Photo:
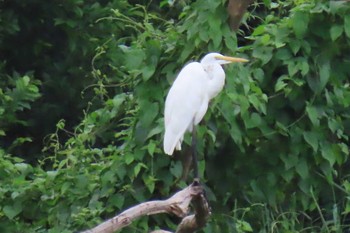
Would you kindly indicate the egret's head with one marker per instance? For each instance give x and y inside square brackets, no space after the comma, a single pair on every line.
[212,58]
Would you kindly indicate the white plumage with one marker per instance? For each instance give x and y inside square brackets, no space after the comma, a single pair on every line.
[189,96]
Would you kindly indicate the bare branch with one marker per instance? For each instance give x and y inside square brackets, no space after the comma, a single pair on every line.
[178,204]
[197,221]
[236,10]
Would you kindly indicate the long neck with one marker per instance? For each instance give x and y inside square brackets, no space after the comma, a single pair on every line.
[216,75]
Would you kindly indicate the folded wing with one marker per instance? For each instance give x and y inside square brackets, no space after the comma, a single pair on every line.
[185,105]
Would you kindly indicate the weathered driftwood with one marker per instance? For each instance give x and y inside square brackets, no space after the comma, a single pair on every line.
[178,205]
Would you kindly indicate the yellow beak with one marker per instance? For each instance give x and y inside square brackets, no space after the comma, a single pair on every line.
[231,59]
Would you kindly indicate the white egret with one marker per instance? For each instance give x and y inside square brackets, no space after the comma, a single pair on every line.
[189,96]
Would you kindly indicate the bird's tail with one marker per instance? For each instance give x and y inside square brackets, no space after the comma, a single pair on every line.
[171,141]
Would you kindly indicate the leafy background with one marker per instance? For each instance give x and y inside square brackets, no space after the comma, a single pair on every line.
[82,92]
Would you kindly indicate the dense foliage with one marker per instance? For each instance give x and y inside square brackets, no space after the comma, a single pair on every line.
[82,92]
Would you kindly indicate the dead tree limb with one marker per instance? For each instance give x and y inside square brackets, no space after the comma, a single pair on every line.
[178,205]
[236,10]
[198,220]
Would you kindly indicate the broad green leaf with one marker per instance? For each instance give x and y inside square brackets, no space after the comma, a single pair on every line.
[148,114]
[24,168]
[244,226]
[344,148]
[313,115]
[324,74]
[176,169]
[133,58]
[347,25]
[129,158]
[282,129]
[235,132]
[295,45]
[254,100]
[300,22]
[289,160]
[138,167]
[150,182]
[293,68]
[263,53]
[334,125]
[231,41]
[267,2]
[327,153]
[12,211]
[147,71]
[304,67]
[311,139]
[108,177]
[154,131]
[283,54]
[253,121]
[302,169]
[117,200]
[280,84]
[265,39]
[259,30]
[151,148]
[336,31]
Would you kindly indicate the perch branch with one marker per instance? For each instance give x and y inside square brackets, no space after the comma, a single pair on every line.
[197,221]
[178,204]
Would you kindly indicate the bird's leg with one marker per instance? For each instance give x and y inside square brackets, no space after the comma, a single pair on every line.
[194,153]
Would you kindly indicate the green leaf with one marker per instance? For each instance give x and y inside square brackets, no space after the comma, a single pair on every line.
[138,167]
[24,168]
[243,226]
[176,169]
[235,132]
[311,139]
[150,182]
[254,100]
[334,125]
[149,113]
[2,132]
[302,169]
[344,148]
[300,23]
[295,46]
[283,54]
[129,158]
[313,115]
[282,129]
[151,148]
[265,39]
[336,31]
[347,25]
[133,58]
[290,161]
[327,153]
[108,177]
[259,30]
[117,200]
[304,67]
[292,68]
[263,53]
[324,74]
[280,84]
[253,121]
[147,71]
[12,211]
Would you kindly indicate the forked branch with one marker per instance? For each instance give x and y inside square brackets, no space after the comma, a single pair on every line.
[178,205]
